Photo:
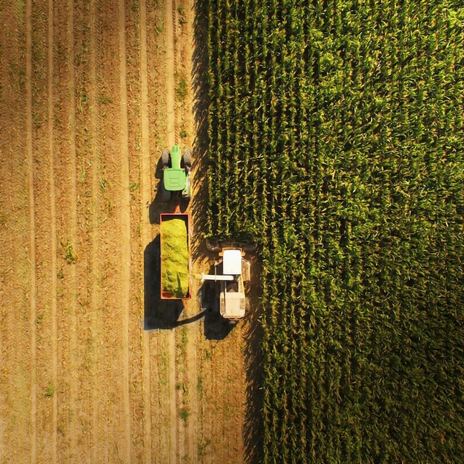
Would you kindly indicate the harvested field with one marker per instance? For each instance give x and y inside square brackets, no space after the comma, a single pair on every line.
[94,367]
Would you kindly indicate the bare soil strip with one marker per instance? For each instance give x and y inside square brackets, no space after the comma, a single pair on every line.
[84,204]
[64,168]
[14,260]
[170,73]
[185,130]
[135,347]
[95,236]
[146,229]
[161,389]
[113,322]
[74,432]
[53,251]
[32,294]
[3,264]
[42,232]
[171,140]
[125,224]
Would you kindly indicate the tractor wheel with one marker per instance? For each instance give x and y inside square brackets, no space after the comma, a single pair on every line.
[165,194]
[212,248]
[188,187]
[187,158]
[165,158]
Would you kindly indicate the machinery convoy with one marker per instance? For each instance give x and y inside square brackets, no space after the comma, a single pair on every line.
[231,270]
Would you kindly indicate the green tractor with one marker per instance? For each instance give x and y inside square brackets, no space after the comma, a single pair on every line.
[176,173]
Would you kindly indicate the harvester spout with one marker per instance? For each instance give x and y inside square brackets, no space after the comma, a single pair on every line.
[216,277]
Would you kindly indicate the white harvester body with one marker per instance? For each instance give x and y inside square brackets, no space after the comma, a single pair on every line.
[235,270]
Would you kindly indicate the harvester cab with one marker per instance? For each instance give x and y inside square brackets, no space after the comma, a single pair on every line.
[231,271]
[176,173]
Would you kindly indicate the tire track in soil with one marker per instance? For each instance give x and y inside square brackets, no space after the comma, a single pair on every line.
[184,67]
[84,201]
[15,156]
[181,333]
[159,346]
[145,199]
[4,267]
[53,241]
[125,224]
[14,271]
[133,77]
[95,236]
[73,377]
[42,231]
[64,164]
[32,251]
[112,407]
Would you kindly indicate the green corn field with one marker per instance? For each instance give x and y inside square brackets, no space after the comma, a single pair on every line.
[336,142]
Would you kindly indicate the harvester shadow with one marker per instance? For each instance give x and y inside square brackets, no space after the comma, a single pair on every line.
[158,313]
[215,326]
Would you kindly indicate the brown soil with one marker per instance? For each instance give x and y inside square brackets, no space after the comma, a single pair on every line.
[94,367]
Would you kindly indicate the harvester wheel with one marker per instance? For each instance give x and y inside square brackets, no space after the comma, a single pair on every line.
[165,158]
[165,194]
[187,158]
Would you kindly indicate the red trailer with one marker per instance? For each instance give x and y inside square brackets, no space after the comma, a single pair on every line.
[175,256]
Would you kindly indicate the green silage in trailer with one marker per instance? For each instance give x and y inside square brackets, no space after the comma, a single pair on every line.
[175,257]
[336,134]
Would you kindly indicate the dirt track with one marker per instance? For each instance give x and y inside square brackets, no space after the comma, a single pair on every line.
[94,367]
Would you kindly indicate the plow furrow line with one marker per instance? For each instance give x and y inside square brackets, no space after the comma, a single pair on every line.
[73,377]
[53,277]
[170,140]
[95,239]
[125,223]
[32,260]
[146,190]
[170,72]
